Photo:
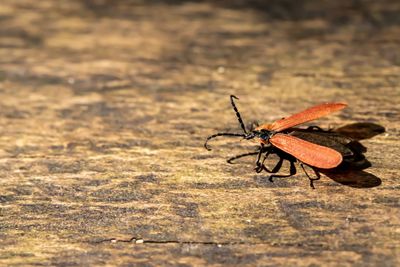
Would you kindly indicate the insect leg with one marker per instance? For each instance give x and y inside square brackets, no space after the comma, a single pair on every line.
[261,166]
[265,168]
[237,113]
[260,151]
[253,125]
[317,174]
[241,156]
[292,170]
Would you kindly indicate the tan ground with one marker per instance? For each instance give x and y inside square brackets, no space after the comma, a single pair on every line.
[105,105]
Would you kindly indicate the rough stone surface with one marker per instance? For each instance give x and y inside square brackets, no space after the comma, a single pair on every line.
[105,105]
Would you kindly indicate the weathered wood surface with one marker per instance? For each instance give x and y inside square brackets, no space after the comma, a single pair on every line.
[105,105]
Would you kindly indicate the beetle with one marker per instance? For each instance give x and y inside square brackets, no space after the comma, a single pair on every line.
[351,151]
[278,138]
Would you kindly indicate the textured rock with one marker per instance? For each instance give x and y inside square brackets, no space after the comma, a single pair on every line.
[105,105]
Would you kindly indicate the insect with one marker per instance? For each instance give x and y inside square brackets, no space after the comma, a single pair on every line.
[351,151]
[279,138]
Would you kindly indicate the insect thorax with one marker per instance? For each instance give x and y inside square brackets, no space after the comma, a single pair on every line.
[264,135]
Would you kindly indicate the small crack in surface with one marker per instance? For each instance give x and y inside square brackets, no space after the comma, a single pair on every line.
[144,241]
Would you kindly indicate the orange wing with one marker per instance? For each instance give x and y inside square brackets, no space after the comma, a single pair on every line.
[304,116]
[309,153]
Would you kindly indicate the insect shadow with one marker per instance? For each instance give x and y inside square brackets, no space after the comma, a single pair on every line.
[352,173]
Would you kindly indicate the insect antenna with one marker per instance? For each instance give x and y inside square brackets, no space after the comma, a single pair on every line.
[230,134]
[221,134]
[237,113]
